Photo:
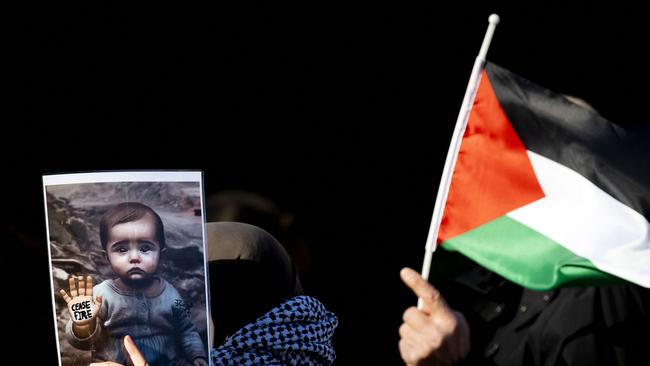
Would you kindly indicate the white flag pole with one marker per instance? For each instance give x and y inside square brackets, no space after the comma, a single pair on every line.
[454,146]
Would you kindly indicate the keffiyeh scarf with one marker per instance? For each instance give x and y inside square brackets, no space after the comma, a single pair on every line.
[297,332]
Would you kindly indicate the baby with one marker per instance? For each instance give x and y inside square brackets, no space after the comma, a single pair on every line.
[138,302]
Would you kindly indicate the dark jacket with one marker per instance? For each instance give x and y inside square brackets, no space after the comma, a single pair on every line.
[510,325]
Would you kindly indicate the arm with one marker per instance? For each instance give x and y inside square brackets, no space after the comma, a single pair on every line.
[188,335]
[435,334]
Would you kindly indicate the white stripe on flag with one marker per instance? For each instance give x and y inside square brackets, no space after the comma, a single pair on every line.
[589,222]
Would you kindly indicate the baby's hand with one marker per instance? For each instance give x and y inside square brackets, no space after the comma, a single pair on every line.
[83,309]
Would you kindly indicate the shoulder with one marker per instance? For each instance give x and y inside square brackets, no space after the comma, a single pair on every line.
[624,303]
[613,303]
[618,312]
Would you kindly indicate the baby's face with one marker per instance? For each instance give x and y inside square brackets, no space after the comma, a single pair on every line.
[133,249]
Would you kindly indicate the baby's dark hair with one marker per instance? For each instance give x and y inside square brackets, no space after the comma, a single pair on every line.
[128,212]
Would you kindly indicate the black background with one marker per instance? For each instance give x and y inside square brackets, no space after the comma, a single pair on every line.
[340,112]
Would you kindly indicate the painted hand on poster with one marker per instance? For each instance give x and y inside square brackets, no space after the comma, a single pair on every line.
[81,305]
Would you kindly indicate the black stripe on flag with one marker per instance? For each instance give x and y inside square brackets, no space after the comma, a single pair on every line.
[613,158]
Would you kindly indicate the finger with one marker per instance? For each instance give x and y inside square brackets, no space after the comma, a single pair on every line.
[409,334]
[73,286]
[402,331]
[405,351]
[431,297]
[89,286]
[446,321]
[82,286]
[434,325]
[98,301]
[430,341]
[65,296]
[408,352]
[417,318]
[134,352]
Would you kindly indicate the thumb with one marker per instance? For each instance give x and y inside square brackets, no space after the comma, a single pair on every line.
[133,353]
[433,301]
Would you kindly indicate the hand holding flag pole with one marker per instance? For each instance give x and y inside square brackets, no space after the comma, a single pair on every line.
[454,146]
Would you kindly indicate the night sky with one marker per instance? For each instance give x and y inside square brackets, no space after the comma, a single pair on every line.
[340,112]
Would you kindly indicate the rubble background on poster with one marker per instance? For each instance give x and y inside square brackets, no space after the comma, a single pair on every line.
[74,211]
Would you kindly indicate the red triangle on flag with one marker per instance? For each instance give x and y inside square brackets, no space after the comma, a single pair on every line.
[493,174]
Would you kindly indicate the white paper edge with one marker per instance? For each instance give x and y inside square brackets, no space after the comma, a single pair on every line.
[122,176]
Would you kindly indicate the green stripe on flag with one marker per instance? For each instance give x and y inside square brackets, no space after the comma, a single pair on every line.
[526,257]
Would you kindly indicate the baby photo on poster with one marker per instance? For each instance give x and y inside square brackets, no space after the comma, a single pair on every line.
[127,258]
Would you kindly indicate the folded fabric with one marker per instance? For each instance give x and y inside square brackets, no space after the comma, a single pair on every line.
[299,331]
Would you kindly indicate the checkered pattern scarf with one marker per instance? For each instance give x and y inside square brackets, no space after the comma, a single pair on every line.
[297,332]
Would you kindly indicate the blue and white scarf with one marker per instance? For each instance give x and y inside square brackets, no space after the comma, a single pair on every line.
[297,332]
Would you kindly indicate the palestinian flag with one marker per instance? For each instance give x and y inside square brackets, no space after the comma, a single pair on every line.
[546,192]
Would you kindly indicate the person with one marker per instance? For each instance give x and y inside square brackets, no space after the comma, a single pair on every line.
[259,311]
[256,209]
[500,323]
[138,302]
[488,320]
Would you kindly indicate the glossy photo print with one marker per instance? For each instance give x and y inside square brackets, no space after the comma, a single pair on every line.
[127,258]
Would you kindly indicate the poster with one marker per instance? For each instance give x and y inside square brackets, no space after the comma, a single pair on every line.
[127,257]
